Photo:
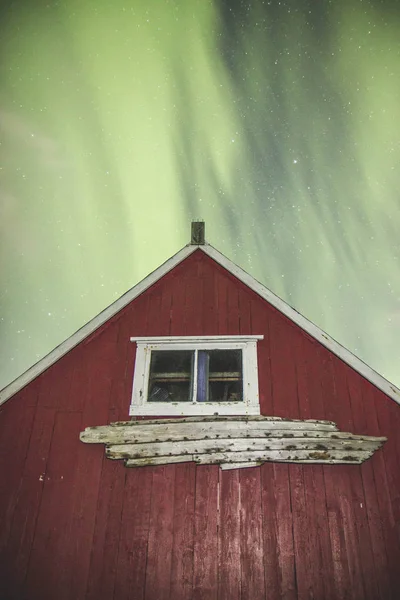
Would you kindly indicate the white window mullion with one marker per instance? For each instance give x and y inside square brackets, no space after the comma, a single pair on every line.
[195,376]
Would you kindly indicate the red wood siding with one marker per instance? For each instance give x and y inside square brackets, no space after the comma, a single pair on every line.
[77,526]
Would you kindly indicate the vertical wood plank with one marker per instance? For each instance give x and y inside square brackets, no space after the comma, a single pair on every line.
[205,574]
[183,532]
[284,532]
[302,359]
[365,546]
[323,573]
[222,294]
[252,564]
[379,467]
[244,303]
[233,309]
[16,422]
[283,373]
[49,558]
[15,562]
[350,509]
[340,563]
[229,579]
[318,569]
[260,325]
[334,482]
[158,567]
[302,542]
[134,535]
[271,549]
[177,305]
[210,300]
[107,531]
[88,468]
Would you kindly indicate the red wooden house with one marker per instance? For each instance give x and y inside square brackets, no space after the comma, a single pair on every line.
[217,501]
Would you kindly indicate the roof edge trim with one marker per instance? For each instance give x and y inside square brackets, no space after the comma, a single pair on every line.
[313,330]
[91,326]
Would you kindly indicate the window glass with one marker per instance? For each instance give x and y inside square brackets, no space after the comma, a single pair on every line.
[219,376]
[171,376]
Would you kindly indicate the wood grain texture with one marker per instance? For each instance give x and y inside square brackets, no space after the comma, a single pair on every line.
[206,521]
[76,525]
[251,538]
[183,532]
[229,551]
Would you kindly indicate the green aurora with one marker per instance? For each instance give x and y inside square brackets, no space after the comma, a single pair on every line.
[278,123]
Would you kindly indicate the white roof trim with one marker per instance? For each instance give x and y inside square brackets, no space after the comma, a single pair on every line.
[94,324]
[358,365]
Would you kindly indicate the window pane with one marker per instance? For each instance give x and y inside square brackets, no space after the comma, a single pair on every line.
[223,371]
[171,376]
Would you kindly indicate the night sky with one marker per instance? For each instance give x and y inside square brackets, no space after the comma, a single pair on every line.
[277,122]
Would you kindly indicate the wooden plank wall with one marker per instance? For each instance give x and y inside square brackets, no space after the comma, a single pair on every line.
[77,526]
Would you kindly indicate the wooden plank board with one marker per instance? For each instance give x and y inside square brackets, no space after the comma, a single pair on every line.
[333,487]
[348,509]
[14,418]
[271,548]
[123,363]
[302,542]
[229,561]
[55,384]
[233,316]
[158,565]
[203,428]
[210,299]
[205,567]
[384,502]
[222,284]
[22,530]
[284,533]
[358,496]
[283,373]
[165,310]
[313,497]
[87,480]
[183,528]
[132,550]
[51,534]
[371,492]
[321,445]
[260,325]
[177,322]
[245,315]
[311,404]
[302,359]
[107,532]
[320,552]
[251,538]
[259,456]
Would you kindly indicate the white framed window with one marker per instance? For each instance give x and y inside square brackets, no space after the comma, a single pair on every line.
[196,375]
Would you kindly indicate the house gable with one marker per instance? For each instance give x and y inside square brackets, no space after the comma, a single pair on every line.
[200,310]
[78,525]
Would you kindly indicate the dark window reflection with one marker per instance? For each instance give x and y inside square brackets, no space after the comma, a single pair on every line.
[171,376]
[219,376]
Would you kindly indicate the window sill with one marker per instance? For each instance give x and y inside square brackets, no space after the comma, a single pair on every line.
[183,409]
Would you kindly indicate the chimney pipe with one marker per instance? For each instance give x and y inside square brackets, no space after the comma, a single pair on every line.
[198,233]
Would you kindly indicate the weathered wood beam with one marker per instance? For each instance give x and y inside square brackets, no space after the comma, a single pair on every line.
[257,458]
[174,430]
[232,442]
[199,447]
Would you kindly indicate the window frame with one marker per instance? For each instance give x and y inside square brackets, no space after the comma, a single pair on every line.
[250,405]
